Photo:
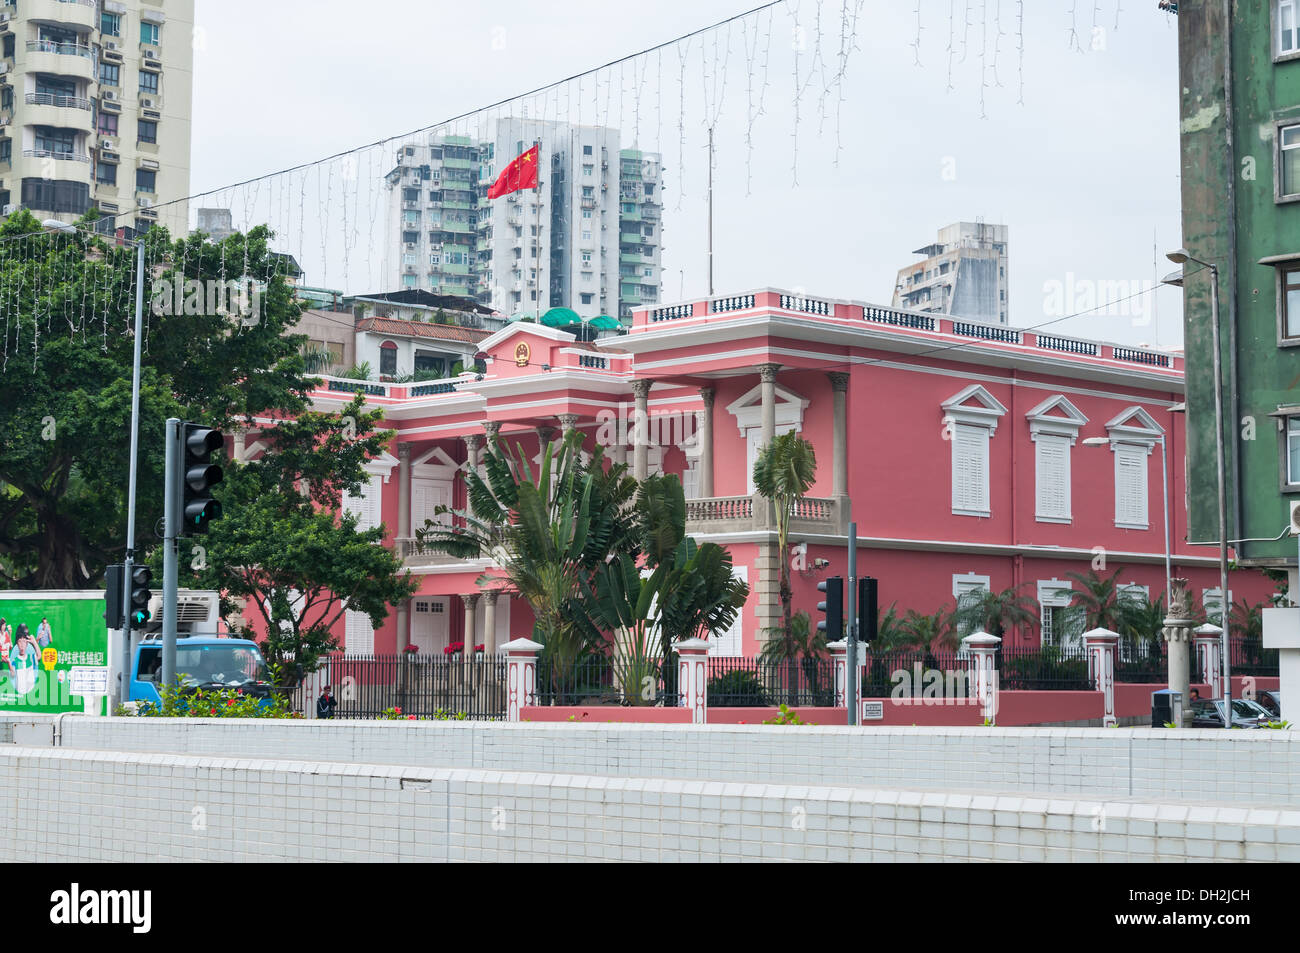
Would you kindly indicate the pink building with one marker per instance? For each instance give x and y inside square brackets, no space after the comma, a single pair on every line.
[960,444]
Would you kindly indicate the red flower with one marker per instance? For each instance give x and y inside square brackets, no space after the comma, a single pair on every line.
[410,718]
[397,710]
[230,702]
[213,712]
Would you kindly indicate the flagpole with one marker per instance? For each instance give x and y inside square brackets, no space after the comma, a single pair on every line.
[537,239]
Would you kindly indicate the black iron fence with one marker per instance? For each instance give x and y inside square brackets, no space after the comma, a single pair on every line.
[365,686]
[601,680]
[761,683]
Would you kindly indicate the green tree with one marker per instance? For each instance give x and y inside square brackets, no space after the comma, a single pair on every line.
[783,473]
[285,547]
[994,612]
[66,381]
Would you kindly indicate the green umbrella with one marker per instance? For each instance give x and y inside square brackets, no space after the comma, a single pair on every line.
[561,318]
[603,322]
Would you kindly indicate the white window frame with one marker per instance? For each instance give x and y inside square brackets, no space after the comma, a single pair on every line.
[1132,513]
[1133,435]
[1279,185]
[1053,594]
[966,584]
[1279,31]
[1211,597]
[1054,427]
[731,644]
[970,427]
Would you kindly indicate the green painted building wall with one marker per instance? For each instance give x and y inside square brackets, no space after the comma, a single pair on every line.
[1233,93]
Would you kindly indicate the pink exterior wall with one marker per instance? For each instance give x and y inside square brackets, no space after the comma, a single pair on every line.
[899,462]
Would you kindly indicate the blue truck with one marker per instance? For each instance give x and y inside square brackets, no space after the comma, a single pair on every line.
[203,662]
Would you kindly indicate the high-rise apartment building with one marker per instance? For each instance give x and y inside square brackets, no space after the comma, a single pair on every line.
[557,245]
[964,274]
[95,109]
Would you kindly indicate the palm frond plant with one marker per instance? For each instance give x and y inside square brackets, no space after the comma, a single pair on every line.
[316,359]
[783,473]
[995,612]
[1102,603]
[927,632]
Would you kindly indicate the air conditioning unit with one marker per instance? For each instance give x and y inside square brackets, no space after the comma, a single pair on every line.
[146,103]
[1295,504]
[410,245]
[143,203]
[151,55]
[149,164]
[10,209]
[109,46]
[105,143]
[197,612]
[109,95]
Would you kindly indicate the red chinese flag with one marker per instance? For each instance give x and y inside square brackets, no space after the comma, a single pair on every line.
[519,174]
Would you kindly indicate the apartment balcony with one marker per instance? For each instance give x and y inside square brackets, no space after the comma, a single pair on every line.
[61,59]
[745,514]
[57,156]
[63,13]
[65,112]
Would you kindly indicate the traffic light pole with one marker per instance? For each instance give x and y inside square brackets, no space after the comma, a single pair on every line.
[171,522]
[852,681]
[123,693]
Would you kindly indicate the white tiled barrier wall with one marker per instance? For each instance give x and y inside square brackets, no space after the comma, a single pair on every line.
[120,806]
[1259,767]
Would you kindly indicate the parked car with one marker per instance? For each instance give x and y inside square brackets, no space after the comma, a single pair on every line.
[1209,713]
[1272,701]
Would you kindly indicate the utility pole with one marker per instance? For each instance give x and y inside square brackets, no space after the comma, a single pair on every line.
[710,211]
[852,681]
[175,460]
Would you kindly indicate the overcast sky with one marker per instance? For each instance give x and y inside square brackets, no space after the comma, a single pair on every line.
[1084,172]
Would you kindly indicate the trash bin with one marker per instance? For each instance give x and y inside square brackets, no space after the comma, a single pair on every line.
[1166,707]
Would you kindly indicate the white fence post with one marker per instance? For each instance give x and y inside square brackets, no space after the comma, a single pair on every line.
[1209,656]
[521,674]
[982,648]
[840,657]
[693,679]
[1101,645]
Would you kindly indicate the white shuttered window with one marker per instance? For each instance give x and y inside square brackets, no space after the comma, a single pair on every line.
[1052,477]
[365,504]
[358,634]
[970,470]
[1131,486]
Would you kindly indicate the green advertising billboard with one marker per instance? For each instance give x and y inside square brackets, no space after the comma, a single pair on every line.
[43,637]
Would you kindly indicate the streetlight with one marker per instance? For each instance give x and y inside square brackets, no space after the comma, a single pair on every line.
[1164,481]
[1180,257]
[64,228]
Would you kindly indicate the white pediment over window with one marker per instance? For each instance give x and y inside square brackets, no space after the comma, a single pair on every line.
[1056,416]
[435,464]
[974,405]
[748,409]
[381,466]
[1134,425]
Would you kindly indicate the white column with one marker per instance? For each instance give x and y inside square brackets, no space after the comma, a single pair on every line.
[707,394]
[1209,657]
[473,445]
[767,377]
[471,605]
[692,678]
[403,624]
[1100,645]
[982,648]
[1177,632]
[489,623]
[840,441]
[840,661]
[403,494]
[521,675]
[641,429]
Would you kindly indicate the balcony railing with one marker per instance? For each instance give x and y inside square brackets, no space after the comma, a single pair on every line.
[988,332]
[737,303]
[63,49]
[900,319]
[806,305]
[50,99]
[672,313]
[1152,358]
[1068,345]
[51,154]
[814,509]
[720,508]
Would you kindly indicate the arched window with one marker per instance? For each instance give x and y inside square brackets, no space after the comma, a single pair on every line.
[388,359]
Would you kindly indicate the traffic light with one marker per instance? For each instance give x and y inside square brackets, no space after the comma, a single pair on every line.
[113,617]
[197,477]
[833,624]
[141,576]
[868,616]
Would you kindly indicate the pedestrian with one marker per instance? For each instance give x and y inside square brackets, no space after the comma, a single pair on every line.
[1196,695]
[325,704]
